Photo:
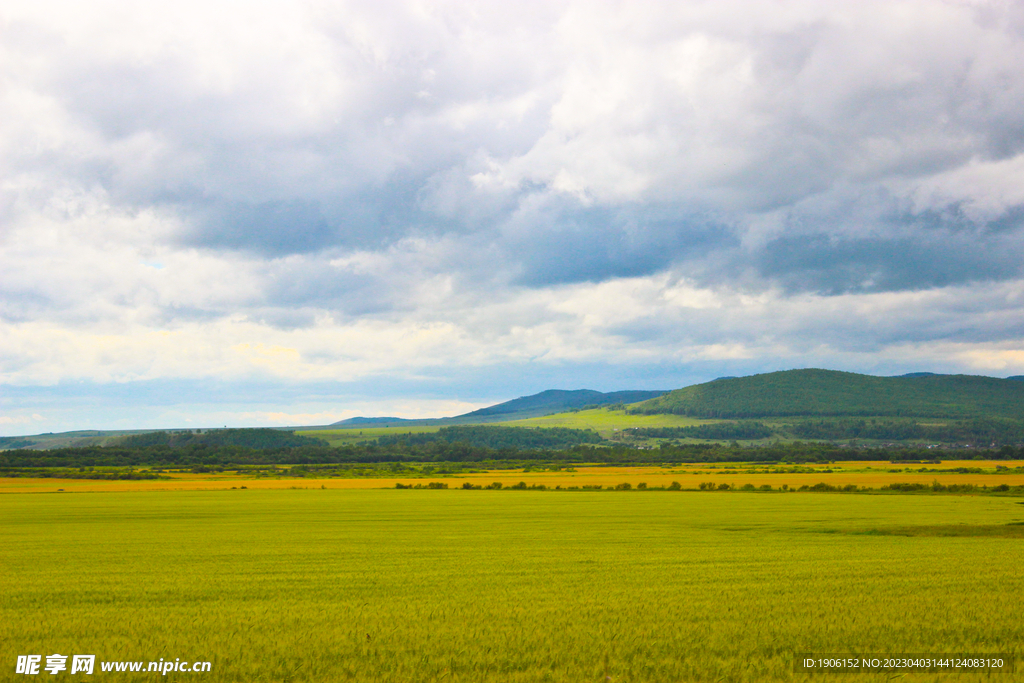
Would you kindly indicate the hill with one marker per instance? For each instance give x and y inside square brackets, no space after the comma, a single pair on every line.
[557,401]
[831,393]
[372,421]
[536,405]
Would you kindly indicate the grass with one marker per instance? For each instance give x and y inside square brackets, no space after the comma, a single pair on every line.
[602,420]
[338,585]
[1011,530]
[606,421]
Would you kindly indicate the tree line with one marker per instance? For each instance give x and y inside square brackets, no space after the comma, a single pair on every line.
[443,451]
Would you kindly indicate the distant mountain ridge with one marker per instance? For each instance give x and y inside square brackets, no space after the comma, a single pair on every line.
[816,392]
[369,421]
[557,401]
[535,405]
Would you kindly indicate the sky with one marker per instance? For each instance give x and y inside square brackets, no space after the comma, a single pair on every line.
[291,213]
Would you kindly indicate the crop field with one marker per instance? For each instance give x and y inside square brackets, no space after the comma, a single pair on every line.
[444,585]
[863,474]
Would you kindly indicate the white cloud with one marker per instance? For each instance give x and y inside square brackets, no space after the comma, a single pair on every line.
[983,189]
[321,190]
[21,419]
[412,409]
[623,321]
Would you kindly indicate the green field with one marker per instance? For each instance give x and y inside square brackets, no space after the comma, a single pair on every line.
[606,421]
[602,420]
[335,585]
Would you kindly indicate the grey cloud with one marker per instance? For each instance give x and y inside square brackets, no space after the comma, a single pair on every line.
[459,128]
[560,242]
[835,266]
[247,163]
[292,226]
[1010,221]
[22,306]
[459,168]
[314,283]
[865,327]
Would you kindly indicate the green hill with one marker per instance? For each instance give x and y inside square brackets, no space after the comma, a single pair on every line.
[832,393]
[557,401]
[536,405]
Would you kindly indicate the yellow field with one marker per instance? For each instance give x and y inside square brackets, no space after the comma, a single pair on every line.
[863,474]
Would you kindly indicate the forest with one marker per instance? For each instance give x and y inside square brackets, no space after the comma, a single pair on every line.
[199,455]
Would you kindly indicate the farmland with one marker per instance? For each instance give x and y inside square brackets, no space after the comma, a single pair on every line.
[607,421]
[618,425]
[383,585]
[604,421]
[873,475]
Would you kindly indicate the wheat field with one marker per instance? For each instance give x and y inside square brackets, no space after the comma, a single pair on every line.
[446,585]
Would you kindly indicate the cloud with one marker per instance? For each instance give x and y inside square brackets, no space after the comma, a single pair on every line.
[8,420]
[410,189]
[412,410]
